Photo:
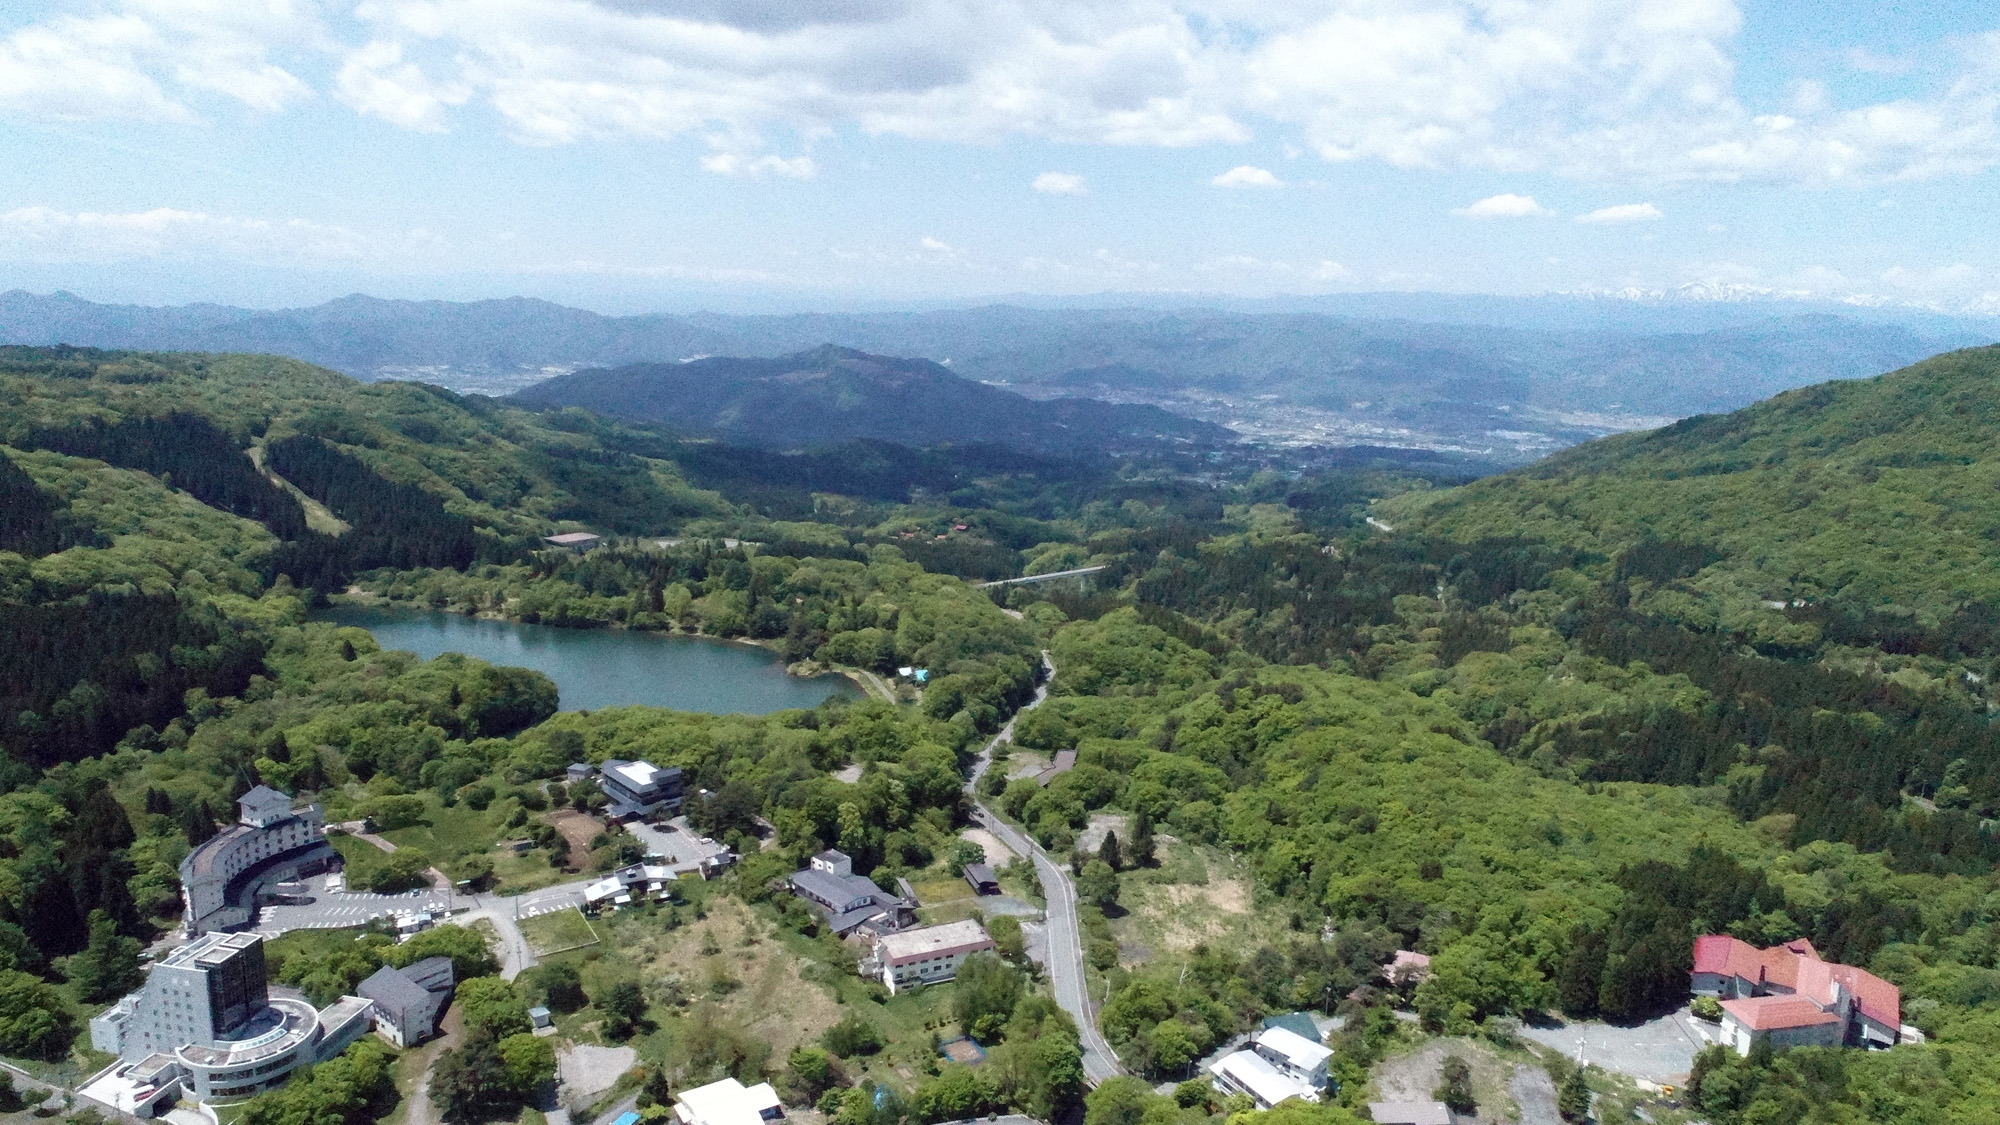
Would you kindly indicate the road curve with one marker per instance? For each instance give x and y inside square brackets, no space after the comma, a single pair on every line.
[1065,965]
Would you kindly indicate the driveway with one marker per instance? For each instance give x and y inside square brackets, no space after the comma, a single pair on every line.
[1659,1050]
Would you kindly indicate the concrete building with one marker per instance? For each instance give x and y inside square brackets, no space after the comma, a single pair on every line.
[1247,1072]
[914,958]
[408,1001]
[641,790]
[1295,1056]
[728,1102]
[270,843]
[205,1018]
[849,901]
[1791,997]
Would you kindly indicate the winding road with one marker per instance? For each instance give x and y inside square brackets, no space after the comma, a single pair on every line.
[1065,934]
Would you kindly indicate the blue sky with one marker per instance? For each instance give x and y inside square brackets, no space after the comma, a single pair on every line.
[671,154]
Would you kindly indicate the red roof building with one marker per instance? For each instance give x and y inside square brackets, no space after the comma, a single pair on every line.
[1788,995]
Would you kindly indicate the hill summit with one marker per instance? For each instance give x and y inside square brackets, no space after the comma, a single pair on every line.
[833,394]
[1880,493]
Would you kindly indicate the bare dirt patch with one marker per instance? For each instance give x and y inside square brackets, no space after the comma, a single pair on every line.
[1413,1077]
[997,853]
[578,829]
[588,1071]
[751,976]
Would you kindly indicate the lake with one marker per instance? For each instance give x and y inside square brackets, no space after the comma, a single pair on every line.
[595,668]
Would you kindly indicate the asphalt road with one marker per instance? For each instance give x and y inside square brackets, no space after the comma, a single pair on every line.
[1065,963]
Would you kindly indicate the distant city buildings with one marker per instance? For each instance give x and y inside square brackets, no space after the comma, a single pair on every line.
[271,843]
[205,1021]
[1788,996]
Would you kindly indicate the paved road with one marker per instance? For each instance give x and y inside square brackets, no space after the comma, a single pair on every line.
[1065,962]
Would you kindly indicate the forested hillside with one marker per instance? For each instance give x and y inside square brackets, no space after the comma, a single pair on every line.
[1546,749]
[830,395]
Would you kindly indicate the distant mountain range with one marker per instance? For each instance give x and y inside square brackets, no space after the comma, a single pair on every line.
[832,394]
[1414,370]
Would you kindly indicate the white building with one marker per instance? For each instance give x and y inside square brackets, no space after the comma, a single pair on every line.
[270,843]
[1294,1055]
[628,885]
[729,1102]
[913,958]
[206,1018]
[1247,1072]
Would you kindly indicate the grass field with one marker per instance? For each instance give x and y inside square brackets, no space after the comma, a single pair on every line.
[448,835]
[557,931]
[1194,895]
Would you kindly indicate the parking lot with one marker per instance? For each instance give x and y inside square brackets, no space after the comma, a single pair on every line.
[333,910]
[1660,1050]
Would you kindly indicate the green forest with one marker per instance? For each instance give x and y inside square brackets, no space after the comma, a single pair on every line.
[1733,675]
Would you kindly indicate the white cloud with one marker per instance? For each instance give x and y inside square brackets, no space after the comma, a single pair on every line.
[376,81]
[1622,213]
[48,234]
[1247,176]
[1061,183]
[1584,88]
[735,164]
[121,64]
[1505,206]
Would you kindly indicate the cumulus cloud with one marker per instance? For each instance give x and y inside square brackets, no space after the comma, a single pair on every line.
[138,63]
[1247,176]
[1622,213]
[1505,206]
[1061,183]
[1583,88]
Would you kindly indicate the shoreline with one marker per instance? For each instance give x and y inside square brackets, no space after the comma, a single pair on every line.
[358,598]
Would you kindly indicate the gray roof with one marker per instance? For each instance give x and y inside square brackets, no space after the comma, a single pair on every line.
[394,993]
[979,873]
[841,924]
[432,974]
[837,889]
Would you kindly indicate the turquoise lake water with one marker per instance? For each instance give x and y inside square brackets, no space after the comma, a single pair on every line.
[596,668]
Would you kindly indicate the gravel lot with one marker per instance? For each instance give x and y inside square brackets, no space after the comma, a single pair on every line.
[1660,1050]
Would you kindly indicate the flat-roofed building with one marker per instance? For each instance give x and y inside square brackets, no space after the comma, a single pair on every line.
[729,1102]
[641,790]
[206,1005]
[913,958]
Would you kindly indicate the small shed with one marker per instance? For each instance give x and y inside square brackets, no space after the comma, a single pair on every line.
[540,1017]
[982,879]
[577,771]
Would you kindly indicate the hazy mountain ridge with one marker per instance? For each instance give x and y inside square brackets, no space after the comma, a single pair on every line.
[834,394]
[1439,374]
